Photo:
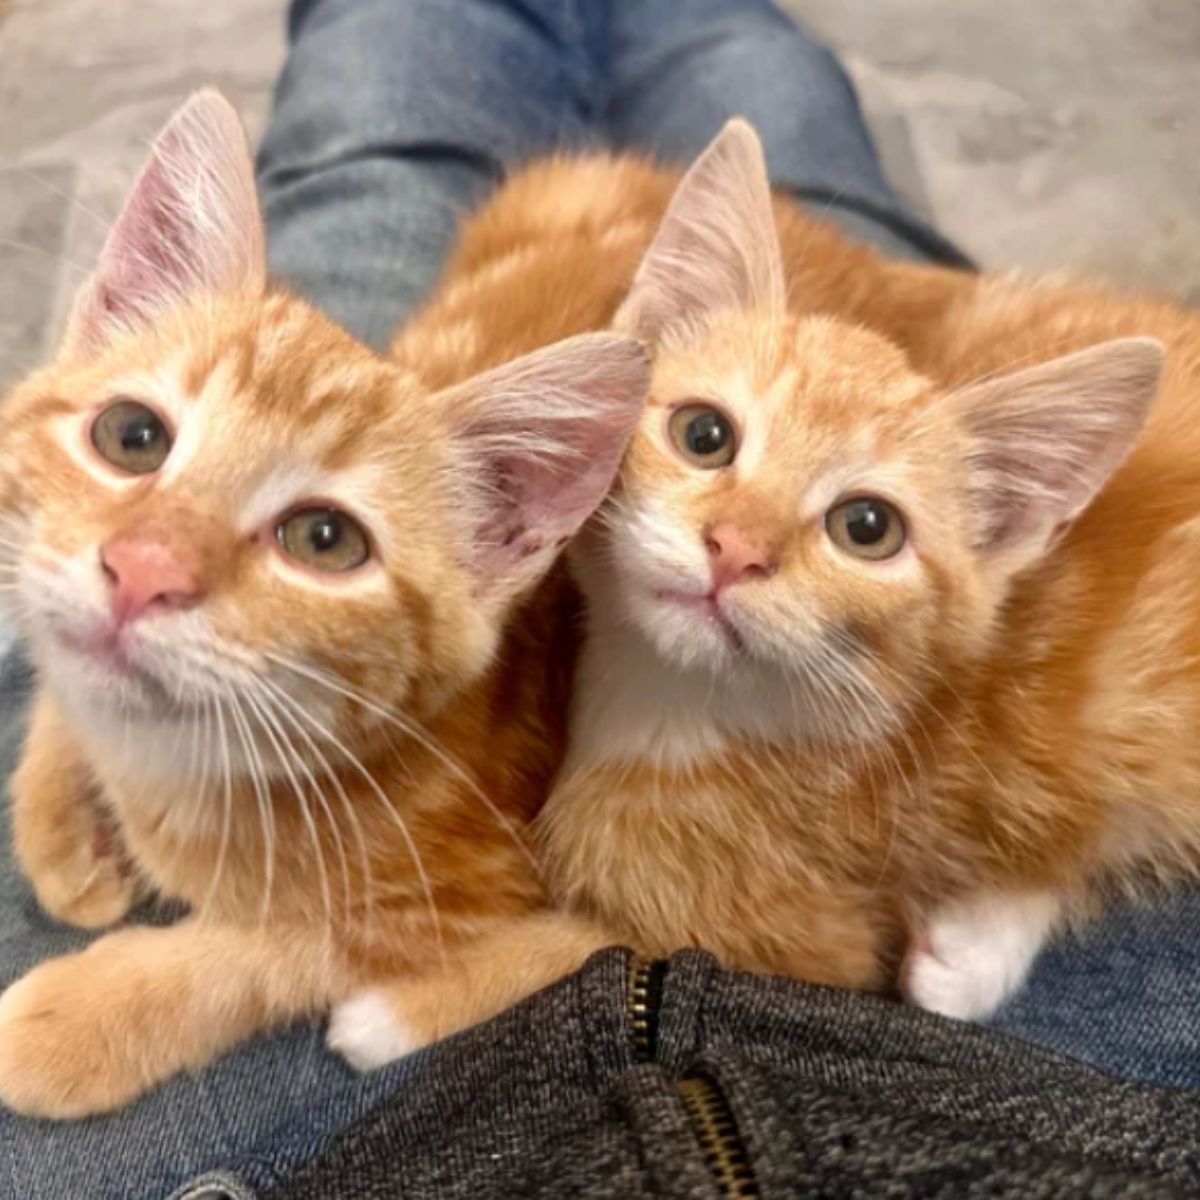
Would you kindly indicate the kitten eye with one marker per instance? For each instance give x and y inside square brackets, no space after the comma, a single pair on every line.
[324,538]
[703,435]
[866,527]
[131,437]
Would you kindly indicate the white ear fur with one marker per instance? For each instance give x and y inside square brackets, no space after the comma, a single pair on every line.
[539,441]
[1046,439]
[717,248]
[191,224]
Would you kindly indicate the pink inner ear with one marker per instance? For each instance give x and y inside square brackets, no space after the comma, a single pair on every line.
[1046,439]
[542,440]
[716,249]
[191,223]
[150,246]
[540,502]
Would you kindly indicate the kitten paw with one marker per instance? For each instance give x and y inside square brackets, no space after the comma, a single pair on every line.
[975,954]
[366,1032]
[965,986]
[78,868]
[55,1060]
[88,891]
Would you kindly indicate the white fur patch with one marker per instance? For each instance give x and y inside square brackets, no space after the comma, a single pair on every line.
[977,953]
[365,1031]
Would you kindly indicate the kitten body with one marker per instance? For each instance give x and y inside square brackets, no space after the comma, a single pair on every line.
[295,667]
[849,771]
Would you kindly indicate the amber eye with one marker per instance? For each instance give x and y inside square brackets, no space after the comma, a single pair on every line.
[132,437]
[703,435]
[866,527]
[324,538]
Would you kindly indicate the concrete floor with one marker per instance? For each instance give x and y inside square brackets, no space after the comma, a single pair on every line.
[84,86]
[1037,134]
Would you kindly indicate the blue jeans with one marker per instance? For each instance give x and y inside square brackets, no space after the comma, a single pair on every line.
[395,117]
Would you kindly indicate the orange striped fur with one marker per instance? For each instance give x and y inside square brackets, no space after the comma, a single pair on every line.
[335,772]
[1012,733]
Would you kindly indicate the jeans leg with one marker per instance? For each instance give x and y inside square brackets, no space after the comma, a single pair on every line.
[681,68]
[1123,994]
[395,117]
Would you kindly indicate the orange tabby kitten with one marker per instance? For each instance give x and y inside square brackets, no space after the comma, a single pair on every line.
[280,594]
[885,658]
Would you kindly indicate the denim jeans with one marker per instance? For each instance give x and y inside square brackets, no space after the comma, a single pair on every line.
[395,117]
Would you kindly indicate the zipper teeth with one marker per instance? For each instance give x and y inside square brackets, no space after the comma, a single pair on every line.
[707,1110]
[716,1131]
[643,983]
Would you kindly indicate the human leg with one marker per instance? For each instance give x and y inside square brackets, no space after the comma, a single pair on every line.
[1121,994]
[679,71]
[395,117]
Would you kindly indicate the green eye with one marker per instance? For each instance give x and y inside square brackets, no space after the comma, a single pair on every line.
[131,437]
[324,538]
[866,527]
[703,435]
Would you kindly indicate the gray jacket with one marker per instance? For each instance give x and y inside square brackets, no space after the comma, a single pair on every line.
[680,1079]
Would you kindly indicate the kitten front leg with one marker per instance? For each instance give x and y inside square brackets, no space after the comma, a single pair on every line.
[971,955]
[90,1032]
[389,1020]
[67,847]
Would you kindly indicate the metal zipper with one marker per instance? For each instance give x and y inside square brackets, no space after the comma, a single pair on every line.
[717,1132]
[704,1103]
[643,994]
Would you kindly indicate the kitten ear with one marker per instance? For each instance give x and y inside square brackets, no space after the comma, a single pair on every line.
[191,224]
[539,442]
[717,247]
[1046,439]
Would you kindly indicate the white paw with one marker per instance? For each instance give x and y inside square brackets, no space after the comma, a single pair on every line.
[364,1030]
[975,954]
[966,987]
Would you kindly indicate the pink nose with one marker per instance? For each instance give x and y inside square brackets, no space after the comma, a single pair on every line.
[735,556]
[146,573]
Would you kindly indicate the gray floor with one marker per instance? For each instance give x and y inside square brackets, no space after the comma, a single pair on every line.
[1042,133]
[1038,134]
[84,86]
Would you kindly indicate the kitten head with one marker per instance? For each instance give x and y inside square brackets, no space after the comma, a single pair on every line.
[800,511]
[219,509]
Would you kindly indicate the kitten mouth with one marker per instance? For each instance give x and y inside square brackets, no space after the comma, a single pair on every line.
[108,650]
[708,605]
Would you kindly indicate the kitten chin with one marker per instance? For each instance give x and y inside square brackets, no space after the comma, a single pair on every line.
[691,631]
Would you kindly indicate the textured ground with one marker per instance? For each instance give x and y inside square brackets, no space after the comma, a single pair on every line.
[1039,133]
[1035,133]
[84,85]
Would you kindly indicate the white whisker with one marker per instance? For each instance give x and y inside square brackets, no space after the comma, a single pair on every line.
[421,737]
[274,735]
[282,699]
[29,248]
[226,808]
[390,808]
[262,798]
[272,709]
